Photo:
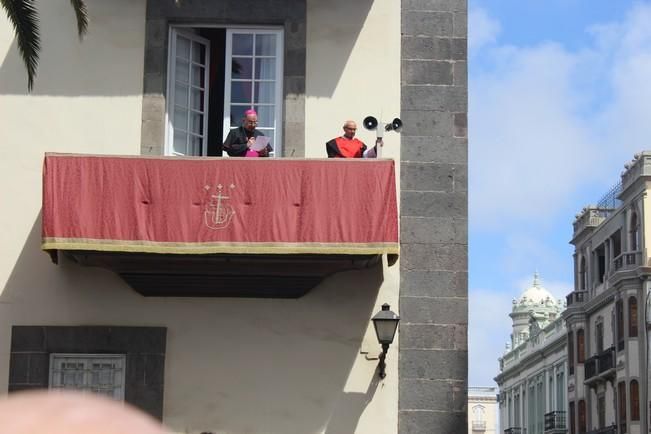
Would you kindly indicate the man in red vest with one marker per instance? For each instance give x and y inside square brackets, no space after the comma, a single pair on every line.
[347,146]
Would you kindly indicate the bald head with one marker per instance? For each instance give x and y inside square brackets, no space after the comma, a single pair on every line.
[45,412]
[350,127]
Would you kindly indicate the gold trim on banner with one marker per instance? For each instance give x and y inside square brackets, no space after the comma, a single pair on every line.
[218,247]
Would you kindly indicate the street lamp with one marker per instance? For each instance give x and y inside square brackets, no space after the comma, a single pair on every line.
[386,324]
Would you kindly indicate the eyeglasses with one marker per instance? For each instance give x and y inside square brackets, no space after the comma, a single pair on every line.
[351,129]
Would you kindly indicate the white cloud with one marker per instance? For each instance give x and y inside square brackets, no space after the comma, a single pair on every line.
[529,252]
[490,325]
[547,121]
[482,30]
[489,329]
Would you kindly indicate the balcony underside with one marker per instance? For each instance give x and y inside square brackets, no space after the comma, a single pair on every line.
[607,375]
[222,275]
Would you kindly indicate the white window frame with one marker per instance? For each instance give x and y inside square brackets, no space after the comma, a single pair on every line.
[279,101]
[56,359]
[171,79]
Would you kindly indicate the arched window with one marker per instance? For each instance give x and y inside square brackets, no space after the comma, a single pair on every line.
[621,398]
[570,351]
[599,335]
[478,412]
[619,312]
[635,400]
[632,317]
[634,233]
[580,346]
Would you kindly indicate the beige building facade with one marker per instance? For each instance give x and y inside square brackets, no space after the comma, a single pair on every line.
[482,410]
[227,364]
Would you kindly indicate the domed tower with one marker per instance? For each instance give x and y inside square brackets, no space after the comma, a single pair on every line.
[533,310]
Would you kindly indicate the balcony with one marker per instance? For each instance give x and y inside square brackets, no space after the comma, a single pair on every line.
[609,430]
[607,362]
[627,261]
[232,227]
[515,430]
[601,367]
[576,297]
[590,367]
[589,218]
[478,425]
[555,422]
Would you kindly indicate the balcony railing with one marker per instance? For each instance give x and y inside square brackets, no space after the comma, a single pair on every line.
[626,261]
[515,430]
[600,366]
[590,367]
[590,217]
[555,420]
[607,360]
[576,297]
[609,430]
[479,425]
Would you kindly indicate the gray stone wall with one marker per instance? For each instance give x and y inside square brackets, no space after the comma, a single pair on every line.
[144,348]
[162,13]
[434,217]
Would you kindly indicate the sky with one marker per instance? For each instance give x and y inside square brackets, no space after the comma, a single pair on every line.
[559,101]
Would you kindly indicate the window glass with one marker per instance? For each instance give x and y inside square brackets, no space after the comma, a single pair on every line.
[197,100]
[264,92]
[180,142]
[265,116]
[241,91]
[98,373]
[265,69]
[241,68]
[621,395]
[181,95]
[180,119]
[635,400]
[196,123]
[242,44]
[237,114]
[183,48]
[198,53]
[198,76]
[632,317]
[182,72]
[265,45]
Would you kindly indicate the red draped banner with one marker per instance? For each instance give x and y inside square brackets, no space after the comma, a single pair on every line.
[214,205]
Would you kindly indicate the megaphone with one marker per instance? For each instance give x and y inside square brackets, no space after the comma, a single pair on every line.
[370,123]
[395,125]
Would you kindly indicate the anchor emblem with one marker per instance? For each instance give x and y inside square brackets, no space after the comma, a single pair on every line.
[218,213]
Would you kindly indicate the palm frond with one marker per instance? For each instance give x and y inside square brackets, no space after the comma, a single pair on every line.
[82,16]
[24,18]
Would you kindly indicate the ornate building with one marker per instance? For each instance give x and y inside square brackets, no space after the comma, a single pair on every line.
[606,317]
[532,379]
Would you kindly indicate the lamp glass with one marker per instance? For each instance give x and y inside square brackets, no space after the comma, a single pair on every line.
[385,330]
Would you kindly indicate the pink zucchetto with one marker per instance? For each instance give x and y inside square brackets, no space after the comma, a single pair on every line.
[250,112]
